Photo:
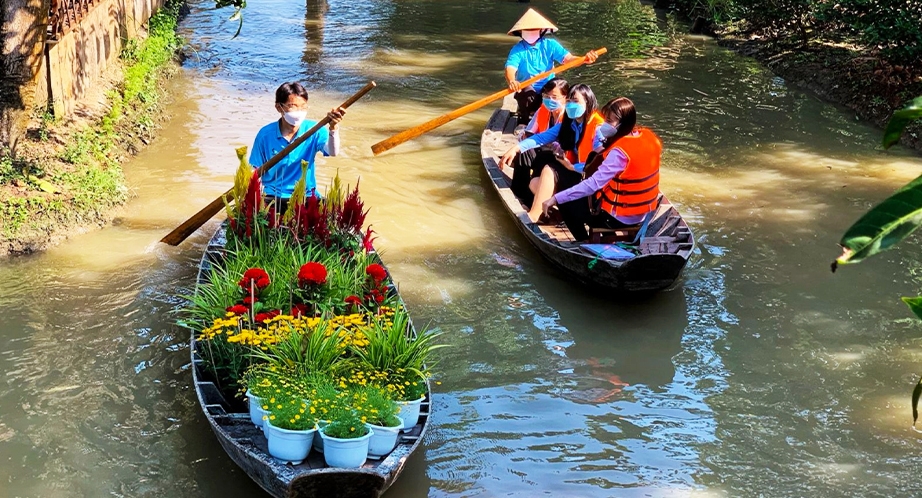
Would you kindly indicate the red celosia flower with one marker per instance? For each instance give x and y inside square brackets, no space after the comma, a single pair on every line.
[367,240]
[352,217]
[353,300]
[273,217]
[248,301]
[312,274]
[252,202]
[255,276]
[238,309]
[376,272]
[299,309]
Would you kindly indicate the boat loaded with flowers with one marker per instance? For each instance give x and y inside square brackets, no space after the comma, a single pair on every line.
[305,361]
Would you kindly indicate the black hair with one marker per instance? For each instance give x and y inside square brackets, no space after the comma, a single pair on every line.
[286,90]
[623,110]
[556,84]
[567,138]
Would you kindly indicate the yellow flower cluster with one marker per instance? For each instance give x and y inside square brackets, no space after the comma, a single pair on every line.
[352,329]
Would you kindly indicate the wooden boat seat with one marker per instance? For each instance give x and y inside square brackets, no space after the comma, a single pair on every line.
[612,235]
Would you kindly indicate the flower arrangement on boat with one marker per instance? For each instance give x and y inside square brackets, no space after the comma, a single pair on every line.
[301,316]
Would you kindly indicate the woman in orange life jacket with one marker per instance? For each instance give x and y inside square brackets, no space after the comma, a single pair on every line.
[625,186]
[554,98]
[571,140]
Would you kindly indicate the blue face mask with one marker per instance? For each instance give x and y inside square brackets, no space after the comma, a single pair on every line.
[575,109]
[607,130]
[551,104]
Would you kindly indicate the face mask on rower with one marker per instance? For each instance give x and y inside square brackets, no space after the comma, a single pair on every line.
[575,109]
[531,35]
[551,104]
[294,118]
[607,130]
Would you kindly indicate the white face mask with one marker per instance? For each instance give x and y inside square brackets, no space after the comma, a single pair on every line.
[608,130]
[294,118]
[531,35]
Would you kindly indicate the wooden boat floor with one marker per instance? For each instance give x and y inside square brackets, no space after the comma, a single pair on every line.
[239,427]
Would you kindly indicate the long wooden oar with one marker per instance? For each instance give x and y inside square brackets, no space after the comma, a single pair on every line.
[416,131]
[189,226]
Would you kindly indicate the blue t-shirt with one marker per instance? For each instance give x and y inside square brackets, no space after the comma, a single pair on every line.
[280,180]
[532,60]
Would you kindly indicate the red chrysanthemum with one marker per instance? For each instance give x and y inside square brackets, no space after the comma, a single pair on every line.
[248,301]
[255,276]
[238,309]
[312,274]
[376,272]
[299,309]
[353,300]
[261,317]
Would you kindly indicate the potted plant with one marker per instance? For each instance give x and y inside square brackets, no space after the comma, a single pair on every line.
[326,402]
[345,440]
[379,412]
[290,429]
[405,359]
[410,393]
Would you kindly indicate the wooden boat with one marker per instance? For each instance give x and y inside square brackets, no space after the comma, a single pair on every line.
[663,248]
[247,447]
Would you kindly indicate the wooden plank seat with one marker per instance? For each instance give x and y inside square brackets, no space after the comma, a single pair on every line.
[612,235]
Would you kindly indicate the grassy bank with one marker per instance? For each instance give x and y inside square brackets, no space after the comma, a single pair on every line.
[66,176]
[866,56]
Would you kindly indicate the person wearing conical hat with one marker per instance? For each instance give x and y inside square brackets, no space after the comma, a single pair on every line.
[534,54]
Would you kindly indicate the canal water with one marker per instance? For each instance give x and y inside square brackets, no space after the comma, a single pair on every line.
[758,373]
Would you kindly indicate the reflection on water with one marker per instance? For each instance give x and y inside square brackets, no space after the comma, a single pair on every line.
[760,372]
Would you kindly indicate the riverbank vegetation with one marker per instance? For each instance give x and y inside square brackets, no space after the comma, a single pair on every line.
[866,55]
[66,176]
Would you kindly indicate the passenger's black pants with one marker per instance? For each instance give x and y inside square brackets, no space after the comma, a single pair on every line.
[576,214]
[529,101]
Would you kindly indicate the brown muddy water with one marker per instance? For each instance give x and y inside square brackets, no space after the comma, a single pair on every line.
[759,374]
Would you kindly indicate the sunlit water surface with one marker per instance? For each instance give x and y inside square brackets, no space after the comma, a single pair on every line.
[760,372]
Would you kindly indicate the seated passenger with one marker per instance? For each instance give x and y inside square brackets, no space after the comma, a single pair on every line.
[554,97]
[625,187]
[572,141]
[533,55]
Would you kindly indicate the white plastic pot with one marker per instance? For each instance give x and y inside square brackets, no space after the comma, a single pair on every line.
[409,413]
[383,441]
[287,445]
[345,453]
[256,415]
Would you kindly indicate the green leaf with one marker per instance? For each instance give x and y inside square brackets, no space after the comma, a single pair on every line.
[883,226]
[45,185]
[900,120]
[915,305]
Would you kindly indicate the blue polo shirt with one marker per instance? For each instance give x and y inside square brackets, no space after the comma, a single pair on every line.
[532,60]
[280,180]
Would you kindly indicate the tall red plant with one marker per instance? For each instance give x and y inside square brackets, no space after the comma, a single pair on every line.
[352,216]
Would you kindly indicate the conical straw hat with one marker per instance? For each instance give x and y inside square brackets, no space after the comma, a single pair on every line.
[532,20]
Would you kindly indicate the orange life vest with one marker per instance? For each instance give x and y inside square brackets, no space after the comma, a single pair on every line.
[634,190]
[584,147]
[542,120]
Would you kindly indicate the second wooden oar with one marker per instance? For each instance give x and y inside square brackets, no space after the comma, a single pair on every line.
[189,226]
[430,125]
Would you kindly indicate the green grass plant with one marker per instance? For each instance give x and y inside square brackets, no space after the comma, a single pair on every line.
[347,424]
[375,406]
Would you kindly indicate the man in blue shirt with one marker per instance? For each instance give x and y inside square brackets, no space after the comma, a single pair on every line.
[531,56]
[278,182]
